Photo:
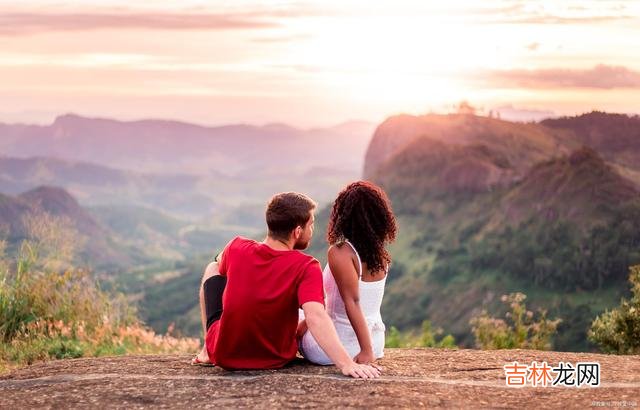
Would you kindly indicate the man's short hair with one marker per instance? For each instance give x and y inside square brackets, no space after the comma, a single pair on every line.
[286,211]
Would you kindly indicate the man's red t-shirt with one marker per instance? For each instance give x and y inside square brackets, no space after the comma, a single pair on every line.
[265,288]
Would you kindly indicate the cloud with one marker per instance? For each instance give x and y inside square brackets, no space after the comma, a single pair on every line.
[565,12]
[601,76]
[30,23]
[551,19]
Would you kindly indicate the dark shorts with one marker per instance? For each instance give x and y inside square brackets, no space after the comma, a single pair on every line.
[213,289]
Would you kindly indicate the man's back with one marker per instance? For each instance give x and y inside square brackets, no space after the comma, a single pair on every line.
[265,287]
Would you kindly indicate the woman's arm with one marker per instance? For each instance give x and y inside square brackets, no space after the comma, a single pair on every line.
[323,330]
[346,277]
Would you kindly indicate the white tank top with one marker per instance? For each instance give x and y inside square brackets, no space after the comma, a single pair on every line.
[371,294]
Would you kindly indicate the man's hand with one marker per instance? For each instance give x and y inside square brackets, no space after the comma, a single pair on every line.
[364,357]
[361,371]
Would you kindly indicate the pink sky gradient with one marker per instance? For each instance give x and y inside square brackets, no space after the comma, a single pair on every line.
[314,63]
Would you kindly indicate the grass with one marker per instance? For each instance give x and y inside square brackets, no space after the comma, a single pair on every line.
[47,314]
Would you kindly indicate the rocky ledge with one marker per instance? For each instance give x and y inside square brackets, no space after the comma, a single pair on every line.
[411,378]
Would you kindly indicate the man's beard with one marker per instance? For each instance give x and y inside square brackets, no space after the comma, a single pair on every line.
[300,245]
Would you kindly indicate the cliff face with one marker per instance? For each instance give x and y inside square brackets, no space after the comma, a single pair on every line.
[522,144]
[615,137]
[411,378]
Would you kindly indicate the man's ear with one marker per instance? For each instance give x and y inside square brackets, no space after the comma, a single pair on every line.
[297,232]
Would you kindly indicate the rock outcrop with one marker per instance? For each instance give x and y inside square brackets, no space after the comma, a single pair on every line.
[411,378]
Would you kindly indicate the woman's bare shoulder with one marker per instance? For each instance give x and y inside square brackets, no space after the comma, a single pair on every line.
[341,259]
[339,250]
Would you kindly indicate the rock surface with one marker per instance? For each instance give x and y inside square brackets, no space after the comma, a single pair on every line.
[411,378]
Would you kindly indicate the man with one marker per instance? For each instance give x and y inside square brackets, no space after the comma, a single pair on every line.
[249,299]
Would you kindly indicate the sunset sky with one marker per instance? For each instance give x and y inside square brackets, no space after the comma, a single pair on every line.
[314,63]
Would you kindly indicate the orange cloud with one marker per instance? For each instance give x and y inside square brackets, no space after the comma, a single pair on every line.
[601,76]
[30,23]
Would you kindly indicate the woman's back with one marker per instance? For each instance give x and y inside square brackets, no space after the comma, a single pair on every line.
[371,294]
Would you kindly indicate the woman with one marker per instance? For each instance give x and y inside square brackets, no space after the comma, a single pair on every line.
[360,225]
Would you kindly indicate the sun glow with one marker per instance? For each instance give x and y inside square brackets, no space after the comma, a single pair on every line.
[408,61]
[324,61]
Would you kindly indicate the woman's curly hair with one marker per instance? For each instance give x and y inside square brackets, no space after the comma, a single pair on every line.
[362,214]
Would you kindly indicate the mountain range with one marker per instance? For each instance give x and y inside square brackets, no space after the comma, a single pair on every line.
[221,174]
[169,147]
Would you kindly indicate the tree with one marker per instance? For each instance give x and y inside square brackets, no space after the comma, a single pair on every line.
[465,108]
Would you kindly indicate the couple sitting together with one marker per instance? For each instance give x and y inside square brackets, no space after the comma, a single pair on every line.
[251,296]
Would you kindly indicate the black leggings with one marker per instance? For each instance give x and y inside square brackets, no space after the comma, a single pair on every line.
[213,290]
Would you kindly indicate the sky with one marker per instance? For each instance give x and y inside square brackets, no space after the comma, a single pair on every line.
[315,63]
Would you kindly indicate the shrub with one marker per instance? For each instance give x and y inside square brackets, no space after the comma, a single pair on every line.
[63,315]
[427,338]
[393,339]
[618,330]
[46,313]
[518,331]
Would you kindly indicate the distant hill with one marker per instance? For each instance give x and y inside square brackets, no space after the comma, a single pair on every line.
[224,200]
[187,170]
[158,235]
[488,207]
[58,202]
[581,187]
[615,136]
[99,185]
[97,247]
[170,147]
